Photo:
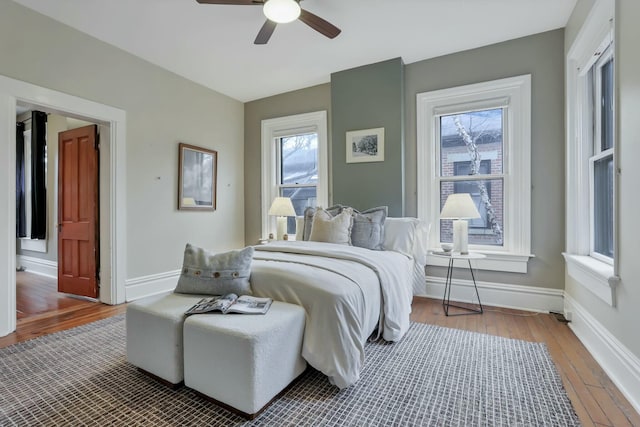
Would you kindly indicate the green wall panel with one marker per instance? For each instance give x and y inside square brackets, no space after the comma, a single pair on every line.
[367,97]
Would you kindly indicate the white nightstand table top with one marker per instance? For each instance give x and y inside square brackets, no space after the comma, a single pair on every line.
[457,255]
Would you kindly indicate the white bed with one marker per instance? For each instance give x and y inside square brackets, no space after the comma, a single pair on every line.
[346,291]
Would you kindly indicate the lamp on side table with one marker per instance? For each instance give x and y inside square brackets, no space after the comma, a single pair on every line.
[281,208]
[460,207]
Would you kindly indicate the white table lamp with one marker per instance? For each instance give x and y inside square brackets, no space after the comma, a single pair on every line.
[281,208]
[460,207]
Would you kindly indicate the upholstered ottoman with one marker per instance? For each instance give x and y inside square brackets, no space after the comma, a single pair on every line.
[154,334]
[242,360]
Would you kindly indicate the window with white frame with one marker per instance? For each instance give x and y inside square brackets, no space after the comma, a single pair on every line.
[601,175]
[27,243]
[297,171]
[591,157]
[294,164]
[476,139]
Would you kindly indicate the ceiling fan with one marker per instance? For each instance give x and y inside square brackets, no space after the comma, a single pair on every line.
[281,12]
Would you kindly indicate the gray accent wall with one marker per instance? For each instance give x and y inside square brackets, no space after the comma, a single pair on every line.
[542,56]
[162,110]
[315,98]
[368,97]
[352,108]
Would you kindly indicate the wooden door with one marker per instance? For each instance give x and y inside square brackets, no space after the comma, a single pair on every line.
[78,211]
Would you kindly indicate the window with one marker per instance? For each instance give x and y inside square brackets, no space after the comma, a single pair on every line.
[591,157]
[297,159]
[294,164]
[477,136]
[476,139]
[601,159]
[26,242]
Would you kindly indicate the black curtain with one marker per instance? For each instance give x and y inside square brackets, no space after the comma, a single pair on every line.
[21,217]
[38,175]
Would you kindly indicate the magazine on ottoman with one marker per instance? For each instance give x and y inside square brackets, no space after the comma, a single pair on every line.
[231,303]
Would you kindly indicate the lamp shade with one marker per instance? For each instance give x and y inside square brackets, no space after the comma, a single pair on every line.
[282,206]
[459,206]
[281,11]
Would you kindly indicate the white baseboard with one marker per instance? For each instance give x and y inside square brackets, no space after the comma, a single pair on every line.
[153,284]
[519,297]
[39,266]
[622,366]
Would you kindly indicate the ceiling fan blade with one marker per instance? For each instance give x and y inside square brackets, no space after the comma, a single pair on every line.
[265,32]
[233,2]
[319,24]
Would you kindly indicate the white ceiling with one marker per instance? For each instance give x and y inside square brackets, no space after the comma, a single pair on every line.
[213,44]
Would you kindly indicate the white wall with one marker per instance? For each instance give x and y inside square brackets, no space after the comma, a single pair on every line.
[620,356]
[162,110]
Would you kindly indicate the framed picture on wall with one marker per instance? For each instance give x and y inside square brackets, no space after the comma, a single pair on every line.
[197,178]
[365,145]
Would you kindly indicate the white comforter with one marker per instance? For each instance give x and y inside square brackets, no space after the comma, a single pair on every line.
[346,291]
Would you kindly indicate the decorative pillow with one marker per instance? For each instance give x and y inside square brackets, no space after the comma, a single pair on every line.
[332,229]
[308,218]
[368,228]
[207,273]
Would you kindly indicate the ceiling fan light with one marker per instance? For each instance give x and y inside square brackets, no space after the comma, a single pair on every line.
[281,11]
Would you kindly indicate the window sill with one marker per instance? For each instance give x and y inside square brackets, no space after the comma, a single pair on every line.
[35,245]
[494,261]
[595,275]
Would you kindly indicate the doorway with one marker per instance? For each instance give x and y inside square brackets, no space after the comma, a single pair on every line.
[112,182]
[62,248]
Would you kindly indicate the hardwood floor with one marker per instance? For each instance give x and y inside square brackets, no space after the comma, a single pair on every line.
[597,401]
[39,294]
[42,310]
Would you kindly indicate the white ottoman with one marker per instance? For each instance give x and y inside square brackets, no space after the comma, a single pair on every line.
[154,334]
[243,360]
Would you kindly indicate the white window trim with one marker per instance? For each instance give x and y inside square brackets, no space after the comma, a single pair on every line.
[597,153]
[596,275]
[289,125]
[514,92]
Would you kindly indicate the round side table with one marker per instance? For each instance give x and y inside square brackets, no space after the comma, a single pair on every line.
[446,299]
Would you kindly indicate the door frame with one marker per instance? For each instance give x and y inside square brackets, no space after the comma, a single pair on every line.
[112,181]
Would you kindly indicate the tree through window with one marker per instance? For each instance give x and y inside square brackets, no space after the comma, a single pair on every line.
[471,153]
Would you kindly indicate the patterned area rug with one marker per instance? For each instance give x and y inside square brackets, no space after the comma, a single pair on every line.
[434,377]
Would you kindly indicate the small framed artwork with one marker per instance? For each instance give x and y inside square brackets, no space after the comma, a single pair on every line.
[365,145]
[197,178]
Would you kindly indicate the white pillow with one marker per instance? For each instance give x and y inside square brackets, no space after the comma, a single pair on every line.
[332,229]
[407,236]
